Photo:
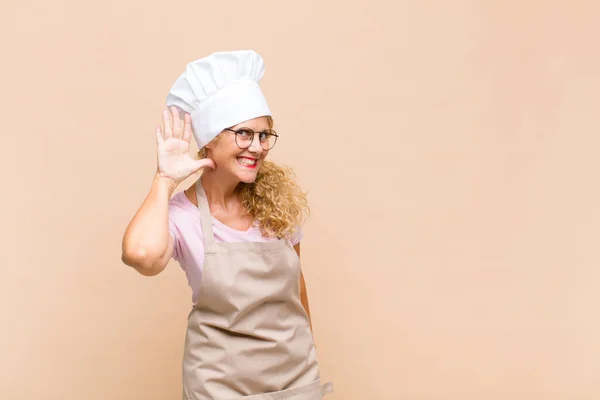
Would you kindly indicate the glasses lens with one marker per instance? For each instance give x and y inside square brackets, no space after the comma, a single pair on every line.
[268,139]
[243,138]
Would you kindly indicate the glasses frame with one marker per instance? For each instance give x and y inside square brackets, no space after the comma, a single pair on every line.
[237,133]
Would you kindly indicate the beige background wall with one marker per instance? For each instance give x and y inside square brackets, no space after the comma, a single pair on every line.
[450,151]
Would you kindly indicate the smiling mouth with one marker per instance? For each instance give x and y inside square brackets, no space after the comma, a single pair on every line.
[247,162]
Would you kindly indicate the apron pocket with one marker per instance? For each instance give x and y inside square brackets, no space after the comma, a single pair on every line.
[312,391]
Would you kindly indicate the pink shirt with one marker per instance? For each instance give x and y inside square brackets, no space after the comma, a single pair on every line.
[188,248]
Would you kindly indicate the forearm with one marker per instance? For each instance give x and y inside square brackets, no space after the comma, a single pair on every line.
[146,239]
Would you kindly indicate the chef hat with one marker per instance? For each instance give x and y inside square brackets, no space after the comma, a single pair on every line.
[219,91]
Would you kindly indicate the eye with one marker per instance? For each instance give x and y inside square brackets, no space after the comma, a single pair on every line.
[264,136]
[245,133]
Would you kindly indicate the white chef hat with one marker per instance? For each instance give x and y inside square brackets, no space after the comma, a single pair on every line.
[219,91]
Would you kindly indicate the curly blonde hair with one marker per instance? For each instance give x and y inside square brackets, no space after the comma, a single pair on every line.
[274,199]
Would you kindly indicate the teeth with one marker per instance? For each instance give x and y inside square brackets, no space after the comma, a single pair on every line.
[246,161]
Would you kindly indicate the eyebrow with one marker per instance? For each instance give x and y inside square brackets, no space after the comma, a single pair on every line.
[247,127]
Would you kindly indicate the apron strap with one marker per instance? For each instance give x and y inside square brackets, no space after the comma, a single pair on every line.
[205,217]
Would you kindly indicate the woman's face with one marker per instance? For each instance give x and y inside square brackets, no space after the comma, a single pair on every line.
[229,158]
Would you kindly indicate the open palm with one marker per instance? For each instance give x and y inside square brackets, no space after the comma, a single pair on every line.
[174,160]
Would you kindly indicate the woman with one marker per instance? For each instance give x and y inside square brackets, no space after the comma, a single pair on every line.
[233,232]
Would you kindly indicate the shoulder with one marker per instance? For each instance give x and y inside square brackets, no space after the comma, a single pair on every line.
[184,223]
[181,211]
[180,203]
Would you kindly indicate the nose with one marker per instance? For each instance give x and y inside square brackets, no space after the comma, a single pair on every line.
[255,146]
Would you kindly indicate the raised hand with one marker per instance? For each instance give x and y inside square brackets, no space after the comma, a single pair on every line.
[174,160]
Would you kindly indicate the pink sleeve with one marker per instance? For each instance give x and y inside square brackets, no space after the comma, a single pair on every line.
[174,232]
[297,236]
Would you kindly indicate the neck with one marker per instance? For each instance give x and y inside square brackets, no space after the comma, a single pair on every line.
[220,191]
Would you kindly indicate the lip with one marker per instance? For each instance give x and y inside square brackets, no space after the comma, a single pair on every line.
[251,159]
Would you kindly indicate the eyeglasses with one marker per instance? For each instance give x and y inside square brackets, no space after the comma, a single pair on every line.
[245,136]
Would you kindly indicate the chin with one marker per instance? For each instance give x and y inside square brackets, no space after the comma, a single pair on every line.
[247,178]
[246,175]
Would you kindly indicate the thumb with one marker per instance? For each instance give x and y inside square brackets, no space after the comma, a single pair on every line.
[204,162]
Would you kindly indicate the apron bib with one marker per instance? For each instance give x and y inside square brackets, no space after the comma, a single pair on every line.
[248,335]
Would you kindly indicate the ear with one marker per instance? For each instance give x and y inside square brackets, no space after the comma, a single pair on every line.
[213,143]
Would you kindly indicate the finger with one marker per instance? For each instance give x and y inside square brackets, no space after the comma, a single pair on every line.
[187,127]
[167,124]
[159,135]
[177,129]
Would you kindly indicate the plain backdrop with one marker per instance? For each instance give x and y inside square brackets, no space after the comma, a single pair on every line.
[450,153]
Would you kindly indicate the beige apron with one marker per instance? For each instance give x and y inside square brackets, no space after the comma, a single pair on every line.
[248,335]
